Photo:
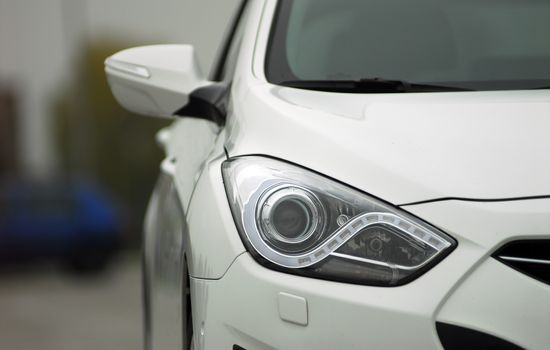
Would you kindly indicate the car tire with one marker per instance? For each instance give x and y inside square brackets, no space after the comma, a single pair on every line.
[189,342]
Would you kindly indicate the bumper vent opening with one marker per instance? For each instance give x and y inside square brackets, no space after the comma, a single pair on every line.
[460,338]
[531,257]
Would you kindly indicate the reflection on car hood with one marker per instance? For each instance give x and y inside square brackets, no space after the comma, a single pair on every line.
[405,148]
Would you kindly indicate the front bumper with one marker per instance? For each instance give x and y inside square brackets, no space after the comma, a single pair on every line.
[468,288]
[243,309]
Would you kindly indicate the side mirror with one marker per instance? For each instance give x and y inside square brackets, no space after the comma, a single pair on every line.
[164,80]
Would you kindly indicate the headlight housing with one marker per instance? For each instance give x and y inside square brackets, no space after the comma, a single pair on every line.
[300,222]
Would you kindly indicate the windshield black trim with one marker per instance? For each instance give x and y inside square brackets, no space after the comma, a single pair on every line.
[372,85]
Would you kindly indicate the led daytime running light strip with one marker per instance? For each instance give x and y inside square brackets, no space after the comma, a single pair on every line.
[340,237]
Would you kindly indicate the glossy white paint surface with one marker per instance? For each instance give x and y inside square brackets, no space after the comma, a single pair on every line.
[154,80]
[191,142]
[489,145]
[494,298]
[513,306]
[214,242]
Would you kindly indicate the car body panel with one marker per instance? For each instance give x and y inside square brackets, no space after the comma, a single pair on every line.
[187,152]
[500,301]
[492,297]
[213,237]
[488,225]
[339,315]
[163,273]
[486,141]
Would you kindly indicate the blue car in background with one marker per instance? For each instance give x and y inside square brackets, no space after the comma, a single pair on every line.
[71,221]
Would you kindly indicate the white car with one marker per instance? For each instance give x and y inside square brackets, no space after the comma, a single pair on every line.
[359,174]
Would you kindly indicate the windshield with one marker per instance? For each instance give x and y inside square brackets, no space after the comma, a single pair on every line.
[470,44]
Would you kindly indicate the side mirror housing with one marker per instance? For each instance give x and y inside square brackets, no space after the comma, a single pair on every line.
[162,81]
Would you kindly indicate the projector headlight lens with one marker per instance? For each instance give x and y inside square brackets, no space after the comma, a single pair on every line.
[290,218]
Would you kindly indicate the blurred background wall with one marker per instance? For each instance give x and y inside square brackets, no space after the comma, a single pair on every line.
[66,145]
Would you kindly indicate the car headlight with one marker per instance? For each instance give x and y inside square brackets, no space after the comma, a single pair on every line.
[297,221]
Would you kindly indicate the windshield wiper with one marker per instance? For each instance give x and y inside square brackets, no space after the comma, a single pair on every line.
[370,85]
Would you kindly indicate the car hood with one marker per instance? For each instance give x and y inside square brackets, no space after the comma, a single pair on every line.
[404,148]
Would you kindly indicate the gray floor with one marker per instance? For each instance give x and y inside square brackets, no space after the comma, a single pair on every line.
[49,309]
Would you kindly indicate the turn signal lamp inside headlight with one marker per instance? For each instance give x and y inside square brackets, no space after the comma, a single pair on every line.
[297,221]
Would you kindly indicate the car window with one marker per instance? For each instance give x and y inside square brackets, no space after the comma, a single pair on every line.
[226,62]
[480,45]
